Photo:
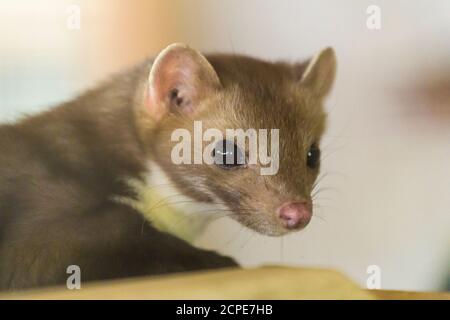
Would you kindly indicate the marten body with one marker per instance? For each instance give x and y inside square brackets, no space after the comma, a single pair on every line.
[62,171]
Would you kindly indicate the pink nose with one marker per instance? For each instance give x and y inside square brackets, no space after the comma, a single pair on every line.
[295,214]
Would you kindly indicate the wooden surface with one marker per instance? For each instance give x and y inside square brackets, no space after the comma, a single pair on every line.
[407,295]
[260,283]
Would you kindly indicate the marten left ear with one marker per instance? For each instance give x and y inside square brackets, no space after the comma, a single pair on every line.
[320,73]
[179,78]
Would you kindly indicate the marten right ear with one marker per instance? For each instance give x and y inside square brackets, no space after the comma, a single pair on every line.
[179,78]
[320,72]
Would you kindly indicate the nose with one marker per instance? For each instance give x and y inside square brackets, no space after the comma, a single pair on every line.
[295,214]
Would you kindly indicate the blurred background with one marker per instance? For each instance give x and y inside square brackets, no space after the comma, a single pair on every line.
[386,167]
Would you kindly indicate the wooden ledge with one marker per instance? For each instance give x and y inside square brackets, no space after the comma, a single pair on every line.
[258,283]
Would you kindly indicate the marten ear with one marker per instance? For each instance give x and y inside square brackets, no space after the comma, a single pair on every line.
[179,78]
[320,72]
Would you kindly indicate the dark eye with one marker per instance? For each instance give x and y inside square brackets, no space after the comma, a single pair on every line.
[227,155]
[313,156]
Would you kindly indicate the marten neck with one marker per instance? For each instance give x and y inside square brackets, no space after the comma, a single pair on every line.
[95,136]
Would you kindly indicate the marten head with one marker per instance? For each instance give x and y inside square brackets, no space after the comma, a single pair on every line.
[264,175]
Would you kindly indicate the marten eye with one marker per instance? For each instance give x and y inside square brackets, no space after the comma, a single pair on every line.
[227,155]
[313,156]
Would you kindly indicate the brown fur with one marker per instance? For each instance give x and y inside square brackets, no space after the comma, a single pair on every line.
[58,173]
[60,170]
[260,95]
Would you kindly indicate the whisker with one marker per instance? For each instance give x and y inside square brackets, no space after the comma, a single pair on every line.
[234,236]
[251,234]
[319,217]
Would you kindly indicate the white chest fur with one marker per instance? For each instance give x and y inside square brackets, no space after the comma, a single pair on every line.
[168,209]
